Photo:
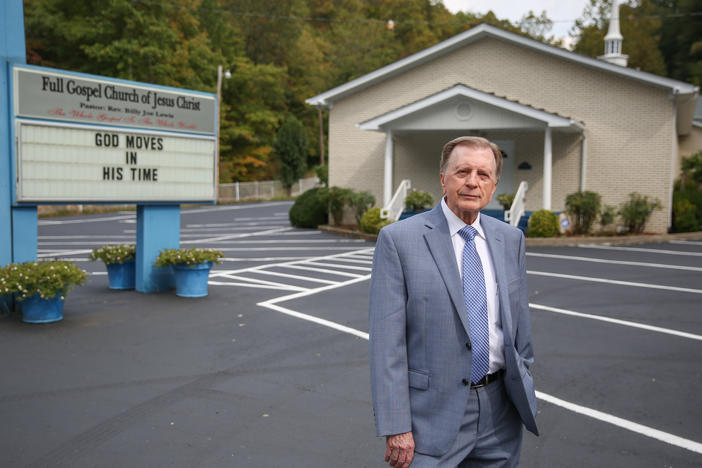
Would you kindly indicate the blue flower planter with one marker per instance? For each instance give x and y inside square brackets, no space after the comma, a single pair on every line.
[122,275]
[191,281]
[38,310]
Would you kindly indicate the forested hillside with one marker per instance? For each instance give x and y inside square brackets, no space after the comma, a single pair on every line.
[280,52]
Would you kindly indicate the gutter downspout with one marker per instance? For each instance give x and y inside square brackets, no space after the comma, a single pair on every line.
[673,158]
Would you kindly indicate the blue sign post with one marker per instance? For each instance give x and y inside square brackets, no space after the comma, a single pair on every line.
[14,222]
[68,137]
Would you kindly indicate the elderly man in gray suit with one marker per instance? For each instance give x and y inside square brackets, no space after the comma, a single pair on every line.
[450,338]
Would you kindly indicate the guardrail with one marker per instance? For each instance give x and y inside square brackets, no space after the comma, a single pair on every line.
[397,204]
[517,210]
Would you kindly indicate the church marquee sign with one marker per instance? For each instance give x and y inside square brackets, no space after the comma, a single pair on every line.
[82,139]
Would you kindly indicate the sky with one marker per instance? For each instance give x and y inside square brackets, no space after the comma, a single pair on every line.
[563,13]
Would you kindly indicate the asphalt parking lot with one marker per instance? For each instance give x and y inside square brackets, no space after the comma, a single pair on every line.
[271,369]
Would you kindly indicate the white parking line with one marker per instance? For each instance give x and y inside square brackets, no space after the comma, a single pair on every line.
[614,262]
[617,321]
[266,249]
[348,267]
[623,423]
[684,242]
[322,270]
[640,249]
[611,281]
[236,236]
[592,413]
[260,259]
[264,282]
[286,275]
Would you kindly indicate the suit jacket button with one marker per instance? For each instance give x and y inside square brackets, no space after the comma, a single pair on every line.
[465,382]
[469,346]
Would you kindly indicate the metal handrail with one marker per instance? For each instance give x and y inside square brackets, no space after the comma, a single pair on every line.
[397,204]
[517,210]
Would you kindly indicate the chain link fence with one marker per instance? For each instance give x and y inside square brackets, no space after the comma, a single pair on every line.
[263,190]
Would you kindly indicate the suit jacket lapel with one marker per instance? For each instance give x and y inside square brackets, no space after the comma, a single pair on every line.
[496,246]
[438,240]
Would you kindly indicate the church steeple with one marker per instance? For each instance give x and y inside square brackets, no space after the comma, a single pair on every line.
[613,39]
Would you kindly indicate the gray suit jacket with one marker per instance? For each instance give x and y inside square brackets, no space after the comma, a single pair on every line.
[419,329]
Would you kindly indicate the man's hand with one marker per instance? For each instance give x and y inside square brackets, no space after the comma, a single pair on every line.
[399,450]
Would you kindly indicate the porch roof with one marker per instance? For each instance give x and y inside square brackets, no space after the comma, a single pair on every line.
[461,107]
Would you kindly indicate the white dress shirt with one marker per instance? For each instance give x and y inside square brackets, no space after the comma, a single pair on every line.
[455,224]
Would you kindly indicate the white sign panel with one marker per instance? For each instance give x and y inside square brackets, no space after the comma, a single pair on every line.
[64,163]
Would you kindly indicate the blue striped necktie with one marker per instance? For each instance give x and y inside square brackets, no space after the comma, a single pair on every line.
[476,305]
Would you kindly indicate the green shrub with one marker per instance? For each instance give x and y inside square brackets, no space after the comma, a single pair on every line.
[322,172]
[543,223]
[685,216]
[309,210]
[636,211]
[371,222]
[694,196]
[361,202]
[506,200]
[691,171]
[583,208]
[608,214]
[336,199]
[418,200]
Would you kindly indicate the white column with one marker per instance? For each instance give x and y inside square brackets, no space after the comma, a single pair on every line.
[548,162]
[389,160]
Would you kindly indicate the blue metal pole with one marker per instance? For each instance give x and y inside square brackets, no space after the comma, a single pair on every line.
[12,50]
[158,227]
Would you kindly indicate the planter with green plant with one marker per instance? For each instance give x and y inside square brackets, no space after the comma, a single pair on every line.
[191,268]
[417,201]
[120,263]
[41,287]
[506,200]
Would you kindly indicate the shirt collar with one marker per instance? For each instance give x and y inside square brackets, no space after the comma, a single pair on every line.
[455,223]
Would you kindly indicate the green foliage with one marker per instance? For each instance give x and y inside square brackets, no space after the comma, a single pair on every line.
[371,222]
[48,278]
[685,216]
[111,254]
[679,38]
[280,52]
[322,173]
[543,223]
[193,256]
[691,171]
[583,208]
[639,26]
[418,200]
[506,200]
[694,196]
[608,214]
[336,199]
[361,202]
[309,210]
[636,211]
[291,147]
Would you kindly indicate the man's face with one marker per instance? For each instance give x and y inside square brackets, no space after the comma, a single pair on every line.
[469,181]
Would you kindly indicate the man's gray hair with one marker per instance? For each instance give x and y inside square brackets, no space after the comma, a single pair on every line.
[473,142]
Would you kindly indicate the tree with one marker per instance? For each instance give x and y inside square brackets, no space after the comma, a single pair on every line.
[291,148]
[681,38]
[639,25]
